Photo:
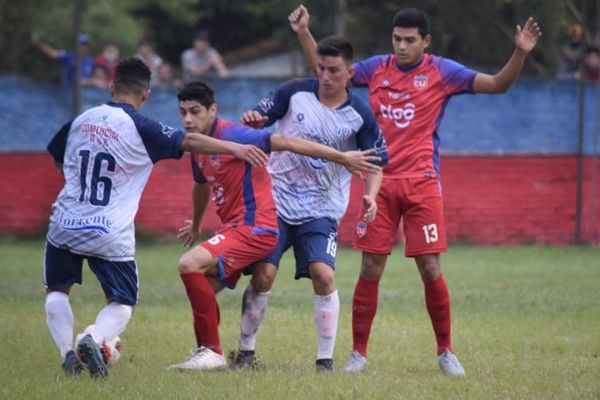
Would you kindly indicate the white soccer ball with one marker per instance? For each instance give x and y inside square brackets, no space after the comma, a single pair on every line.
[111,350]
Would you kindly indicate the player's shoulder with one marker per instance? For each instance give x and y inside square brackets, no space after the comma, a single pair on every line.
[300,85]
[360,106]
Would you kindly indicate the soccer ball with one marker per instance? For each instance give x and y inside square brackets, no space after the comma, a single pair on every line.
[111,350]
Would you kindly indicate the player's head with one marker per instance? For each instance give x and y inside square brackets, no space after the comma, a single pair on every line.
[410,35]
[132,78]
[334,64]
[197,107]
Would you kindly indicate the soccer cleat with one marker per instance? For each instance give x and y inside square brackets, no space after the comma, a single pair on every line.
[449,364]
[242,359]
[90,354]
[325,366]
[72,365]
[203,359]
[356,363]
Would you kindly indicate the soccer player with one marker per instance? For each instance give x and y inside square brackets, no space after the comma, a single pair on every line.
[106,155]
[408,91]
[311,194]
[244,199]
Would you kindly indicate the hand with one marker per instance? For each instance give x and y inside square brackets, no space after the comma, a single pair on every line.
[251,154]
[526,38]
[299,19]
[188,234]
[370,207]
[361,161]
[254,119]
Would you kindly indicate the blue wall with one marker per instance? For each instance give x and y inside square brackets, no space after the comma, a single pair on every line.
[534,117]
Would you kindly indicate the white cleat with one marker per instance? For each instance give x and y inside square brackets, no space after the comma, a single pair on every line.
[356,363]
[450,365]
[203,359]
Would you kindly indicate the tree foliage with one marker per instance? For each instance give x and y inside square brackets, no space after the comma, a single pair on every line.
[476,32]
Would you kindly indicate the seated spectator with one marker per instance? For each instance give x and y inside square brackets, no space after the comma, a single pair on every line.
[201,59]
[109,58]
[590,68]
[147,54]
[166,78]
[571,53]
[99,79]
[68,59]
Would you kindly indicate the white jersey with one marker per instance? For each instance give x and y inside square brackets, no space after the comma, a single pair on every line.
[107,154]
[307,188]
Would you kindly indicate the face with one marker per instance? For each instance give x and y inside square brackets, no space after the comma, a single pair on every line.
[200,45]
[195,117]
[409,45]
[334,74]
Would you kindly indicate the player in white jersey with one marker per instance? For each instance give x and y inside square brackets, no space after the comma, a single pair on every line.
[106,155]
[311,195]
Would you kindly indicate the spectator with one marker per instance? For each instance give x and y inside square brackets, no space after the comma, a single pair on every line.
[571,53]
[199,60]
[99,79]
[166,78]
[590,68]
[109,59]
[148,55]
[68,59]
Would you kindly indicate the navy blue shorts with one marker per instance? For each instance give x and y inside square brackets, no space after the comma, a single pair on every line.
[313,241]
[119,279]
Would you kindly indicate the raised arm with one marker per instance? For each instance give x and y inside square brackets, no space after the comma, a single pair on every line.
[525,41]
[190,232]
[48,50]
[199,143]
[353,160]
[299,23]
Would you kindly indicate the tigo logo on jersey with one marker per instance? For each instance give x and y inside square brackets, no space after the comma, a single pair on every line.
[420,82]
[361,229]
[401,116]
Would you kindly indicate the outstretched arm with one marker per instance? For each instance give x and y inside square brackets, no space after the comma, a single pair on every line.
[199,143]
[190,232]
[525,41]
[353,160]
[48,50]
[299,23]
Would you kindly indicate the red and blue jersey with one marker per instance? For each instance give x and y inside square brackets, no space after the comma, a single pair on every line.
[409,105]
[242,193]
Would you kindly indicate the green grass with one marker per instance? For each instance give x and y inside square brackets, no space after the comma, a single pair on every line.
[526,325]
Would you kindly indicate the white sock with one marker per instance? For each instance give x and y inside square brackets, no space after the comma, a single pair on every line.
[254,305]
[111,321]
[327,311]
[59,318]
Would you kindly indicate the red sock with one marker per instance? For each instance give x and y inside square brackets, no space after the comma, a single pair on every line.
[205,310]
[437,299]
[364,307]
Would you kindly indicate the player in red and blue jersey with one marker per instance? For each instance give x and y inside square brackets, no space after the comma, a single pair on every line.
[408,92]
[245,205]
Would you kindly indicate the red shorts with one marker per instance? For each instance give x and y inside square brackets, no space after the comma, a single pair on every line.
[239,247]
[418,201]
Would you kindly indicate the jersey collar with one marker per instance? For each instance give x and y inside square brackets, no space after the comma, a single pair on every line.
[411,67]
[124,106]
[211,132]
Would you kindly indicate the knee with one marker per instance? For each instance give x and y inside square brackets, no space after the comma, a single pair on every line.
[187,265]
[323,281]
[372,266]
[429,267]
[263,277]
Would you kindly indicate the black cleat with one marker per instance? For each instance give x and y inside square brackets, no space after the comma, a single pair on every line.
[242,359]
[90,354]
[325,366]
[72,364]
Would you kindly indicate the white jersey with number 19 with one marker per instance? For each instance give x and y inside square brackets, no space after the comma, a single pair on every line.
[107,154]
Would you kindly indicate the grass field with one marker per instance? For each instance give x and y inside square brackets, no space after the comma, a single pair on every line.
[526,324]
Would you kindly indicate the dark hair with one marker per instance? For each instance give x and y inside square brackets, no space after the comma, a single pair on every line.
[202,36]
[336,46]
[412,18]
[197,91]
[132,76]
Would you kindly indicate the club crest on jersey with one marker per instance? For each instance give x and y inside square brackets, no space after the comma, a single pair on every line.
[361,229]
[214,161]
[420,82]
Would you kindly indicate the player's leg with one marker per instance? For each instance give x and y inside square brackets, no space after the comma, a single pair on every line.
[256,297]
[315,249]
[376,240]
[425,240]
[62,269]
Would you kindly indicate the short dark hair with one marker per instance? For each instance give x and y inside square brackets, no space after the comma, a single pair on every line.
[203,36]
[336,46]
[132,76]
[412,18]
[197,91]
